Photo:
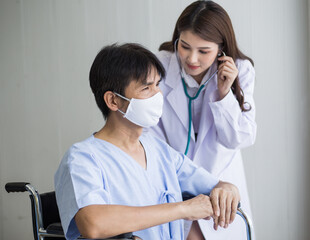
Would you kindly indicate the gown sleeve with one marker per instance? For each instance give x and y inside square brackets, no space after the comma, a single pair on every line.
[78,183]
[237,129]
[193,180]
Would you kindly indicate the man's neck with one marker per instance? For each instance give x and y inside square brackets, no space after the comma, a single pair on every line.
[125,136]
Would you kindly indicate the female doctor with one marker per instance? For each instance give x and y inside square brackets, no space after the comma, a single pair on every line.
[209,111]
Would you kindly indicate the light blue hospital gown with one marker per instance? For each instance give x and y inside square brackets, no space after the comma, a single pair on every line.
[97,172]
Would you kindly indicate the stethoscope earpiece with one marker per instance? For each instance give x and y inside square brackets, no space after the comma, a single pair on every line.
[222,53]
[175,44]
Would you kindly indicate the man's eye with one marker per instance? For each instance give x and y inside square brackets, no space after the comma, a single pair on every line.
[146,88]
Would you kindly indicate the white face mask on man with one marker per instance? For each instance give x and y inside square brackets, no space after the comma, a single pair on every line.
[144,112]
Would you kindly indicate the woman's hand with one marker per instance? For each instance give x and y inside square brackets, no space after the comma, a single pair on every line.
[224,198]
[227,73]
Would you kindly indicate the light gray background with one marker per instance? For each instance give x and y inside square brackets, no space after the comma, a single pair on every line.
[47,47]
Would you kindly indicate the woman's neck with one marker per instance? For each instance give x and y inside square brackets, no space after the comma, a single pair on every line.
[198,78]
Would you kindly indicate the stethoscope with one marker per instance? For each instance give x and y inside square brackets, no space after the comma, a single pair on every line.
[188,96]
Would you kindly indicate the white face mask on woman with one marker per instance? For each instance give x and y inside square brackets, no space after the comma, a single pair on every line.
[144,112]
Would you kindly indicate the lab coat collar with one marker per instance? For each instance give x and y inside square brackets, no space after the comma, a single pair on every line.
[176,97]
[173,76]
[206,119]
[191,82]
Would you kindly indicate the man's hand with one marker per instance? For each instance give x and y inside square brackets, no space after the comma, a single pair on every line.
[197,208]
[224,198]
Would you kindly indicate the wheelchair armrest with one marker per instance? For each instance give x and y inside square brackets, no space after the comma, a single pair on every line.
[124,236]
[16,187]
[55,228]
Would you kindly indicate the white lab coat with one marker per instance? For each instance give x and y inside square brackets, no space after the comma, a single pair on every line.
[224,130]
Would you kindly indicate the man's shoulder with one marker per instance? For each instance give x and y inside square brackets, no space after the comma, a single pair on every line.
[82,146]
[158,144]
[151,139]
[79,151]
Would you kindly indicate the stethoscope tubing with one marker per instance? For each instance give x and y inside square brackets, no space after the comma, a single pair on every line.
[189,97]
[190,107]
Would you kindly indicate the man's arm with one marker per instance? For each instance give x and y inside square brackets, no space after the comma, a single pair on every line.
[102,221]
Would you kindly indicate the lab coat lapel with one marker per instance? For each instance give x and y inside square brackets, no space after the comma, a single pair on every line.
[206,119]
[176,97]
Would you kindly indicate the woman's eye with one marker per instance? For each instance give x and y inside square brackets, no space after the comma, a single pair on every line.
[203,52]
[146,88]
[184,47]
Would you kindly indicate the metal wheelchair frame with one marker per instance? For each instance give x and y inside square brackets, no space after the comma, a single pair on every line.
[54,230]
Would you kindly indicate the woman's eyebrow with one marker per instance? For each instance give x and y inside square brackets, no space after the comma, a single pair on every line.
[198,47]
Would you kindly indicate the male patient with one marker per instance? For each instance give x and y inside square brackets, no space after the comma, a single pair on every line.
[123,180]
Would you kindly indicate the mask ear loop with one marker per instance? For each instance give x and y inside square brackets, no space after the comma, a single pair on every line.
[117,94]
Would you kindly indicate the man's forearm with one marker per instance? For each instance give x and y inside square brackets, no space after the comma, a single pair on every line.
[101,221]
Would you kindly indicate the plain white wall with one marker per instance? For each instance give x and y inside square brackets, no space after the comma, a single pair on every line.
[47,47]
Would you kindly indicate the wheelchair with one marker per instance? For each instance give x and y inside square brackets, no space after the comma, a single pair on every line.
[46,221]
[45,215]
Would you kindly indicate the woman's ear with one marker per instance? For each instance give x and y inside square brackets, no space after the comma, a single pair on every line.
[111,100]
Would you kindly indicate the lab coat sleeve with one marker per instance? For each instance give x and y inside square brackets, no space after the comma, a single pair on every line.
[193,180]
[236,129]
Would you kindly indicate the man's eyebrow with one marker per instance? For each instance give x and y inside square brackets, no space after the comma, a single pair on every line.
[148,83]
[151,82]
[198,48]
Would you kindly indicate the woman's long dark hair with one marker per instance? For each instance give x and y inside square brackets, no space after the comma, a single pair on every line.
[210,22]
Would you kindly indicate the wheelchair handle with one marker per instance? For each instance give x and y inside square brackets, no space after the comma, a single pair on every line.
[16,187]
